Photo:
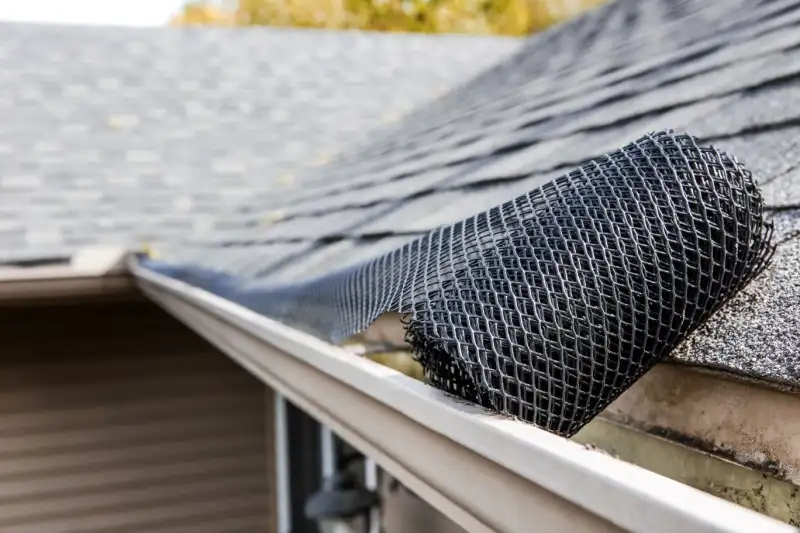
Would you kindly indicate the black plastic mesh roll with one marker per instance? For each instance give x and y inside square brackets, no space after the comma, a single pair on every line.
[548,307]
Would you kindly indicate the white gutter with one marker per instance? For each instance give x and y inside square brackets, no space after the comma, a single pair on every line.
[484,472]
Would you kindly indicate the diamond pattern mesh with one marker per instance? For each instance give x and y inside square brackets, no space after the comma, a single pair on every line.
[547,307]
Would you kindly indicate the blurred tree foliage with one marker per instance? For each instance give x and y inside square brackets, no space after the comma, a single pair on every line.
[200,14]
[503,17]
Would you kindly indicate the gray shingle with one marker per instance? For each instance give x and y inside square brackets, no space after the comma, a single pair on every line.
[213,116]
[339,255]
[332,223]
[177,137]
[757,333]
[784,190]
[727,73]
[445,207]
[767,154]
[372,193]
[318,261]
[250,260]
[519,163]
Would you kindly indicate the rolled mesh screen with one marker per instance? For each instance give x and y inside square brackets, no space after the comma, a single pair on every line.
[548,307]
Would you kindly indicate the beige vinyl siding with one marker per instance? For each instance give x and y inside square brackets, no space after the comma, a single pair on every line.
[403,512]
[117,418]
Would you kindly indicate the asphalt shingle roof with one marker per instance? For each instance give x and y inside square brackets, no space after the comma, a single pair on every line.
[727,72]
[757,333]
[123,135]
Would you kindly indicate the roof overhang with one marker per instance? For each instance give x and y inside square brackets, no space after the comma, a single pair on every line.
[90,274]
[484,472]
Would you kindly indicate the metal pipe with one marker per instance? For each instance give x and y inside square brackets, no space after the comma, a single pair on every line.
[283,487]
[371,482]
[328,449]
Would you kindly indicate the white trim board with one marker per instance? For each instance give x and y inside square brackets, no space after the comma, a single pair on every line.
[91,273]
[483,471]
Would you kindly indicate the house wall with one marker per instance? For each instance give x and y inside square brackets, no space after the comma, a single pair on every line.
[404,512]
[118,418]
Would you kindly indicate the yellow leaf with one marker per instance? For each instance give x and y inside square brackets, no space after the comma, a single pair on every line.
[322,158]
[272,217]
[201,14]
[392,116]
[149,251]
[123,122]
[286,179]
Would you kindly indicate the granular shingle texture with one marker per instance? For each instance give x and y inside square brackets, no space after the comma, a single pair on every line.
[726,72]
[130,135]
[757,334]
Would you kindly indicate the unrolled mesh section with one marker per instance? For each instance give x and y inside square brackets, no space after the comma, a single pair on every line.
[548,307]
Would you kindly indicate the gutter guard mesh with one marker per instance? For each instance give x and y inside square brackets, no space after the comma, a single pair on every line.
[548,307]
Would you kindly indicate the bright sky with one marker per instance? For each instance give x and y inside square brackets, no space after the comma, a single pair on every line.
[115,12]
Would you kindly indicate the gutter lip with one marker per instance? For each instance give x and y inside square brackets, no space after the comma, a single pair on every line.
[621,493]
